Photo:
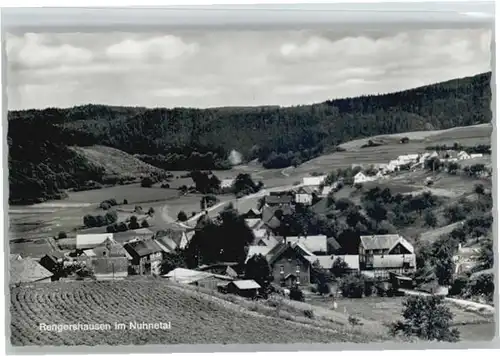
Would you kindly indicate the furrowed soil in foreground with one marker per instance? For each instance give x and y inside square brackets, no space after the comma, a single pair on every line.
[193,318]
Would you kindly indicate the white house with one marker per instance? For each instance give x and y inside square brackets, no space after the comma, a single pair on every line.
[303,198]
[463,155]
[313,181]
[227,183]
[87,241]
[476,155]
[360,177]
[434,154]
[386,252]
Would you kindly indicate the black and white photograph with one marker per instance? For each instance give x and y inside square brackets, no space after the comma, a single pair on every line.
[249,186]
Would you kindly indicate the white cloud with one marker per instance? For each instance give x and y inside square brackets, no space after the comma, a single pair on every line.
[220,68]
[165,48]
[32,52]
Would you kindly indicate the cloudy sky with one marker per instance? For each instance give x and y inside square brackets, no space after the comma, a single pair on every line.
[206,69]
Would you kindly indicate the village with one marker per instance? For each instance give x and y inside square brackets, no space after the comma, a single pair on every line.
[294,261]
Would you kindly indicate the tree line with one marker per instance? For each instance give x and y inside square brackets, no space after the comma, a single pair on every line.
[190,139]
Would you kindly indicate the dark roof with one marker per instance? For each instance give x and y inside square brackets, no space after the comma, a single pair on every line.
[276,199]
[306,190]
[143,248]
[269,212]
[334,244]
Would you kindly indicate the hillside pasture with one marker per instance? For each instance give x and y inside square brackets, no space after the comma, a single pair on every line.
[134,194]
[35,248]
[386,310]
[193,319]
[116,162]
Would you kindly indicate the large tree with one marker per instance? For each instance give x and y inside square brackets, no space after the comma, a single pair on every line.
[428,318]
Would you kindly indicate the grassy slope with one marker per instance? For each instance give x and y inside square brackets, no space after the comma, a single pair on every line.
[116,162]
[194,319]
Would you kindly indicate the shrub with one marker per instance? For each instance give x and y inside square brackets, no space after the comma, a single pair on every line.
[297,294]
[352,286]
[133,224]
[182,216]
[61,235]
[111,228]
[147,182]
[458,286]
[125,201]
[309,313]
[144,223]
[428,318]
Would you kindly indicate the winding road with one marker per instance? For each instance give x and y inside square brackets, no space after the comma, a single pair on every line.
[189,224]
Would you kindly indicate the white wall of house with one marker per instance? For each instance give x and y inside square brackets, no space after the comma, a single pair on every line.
[393,261]
[303,198]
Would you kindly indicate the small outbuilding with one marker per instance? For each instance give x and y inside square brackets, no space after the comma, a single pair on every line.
[245,288]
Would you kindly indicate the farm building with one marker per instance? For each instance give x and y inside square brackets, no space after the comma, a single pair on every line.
[227,183]
[52,261]
[386,252]
[172,239]
[360,177]
[197,278]
[129,235]
[253,214]
[253,223]
[109,260]
[146,257]
[400,282]
[257,250]
[313,243]
[303,198]
[27,270]
[87,241]
[463,155]
[245,288]
[313,181]
[289,264]
[229,269]
[278,200]
[264,237]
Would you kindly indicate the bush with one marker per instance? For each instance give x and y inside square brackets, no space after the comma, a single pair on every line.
[61,235]
[458,286]
[182,216]
[134,224]
[144,223]
[297,294]
[352,287]
[147,182]
[428,318]
[309,313]
[111,228]
[125,201]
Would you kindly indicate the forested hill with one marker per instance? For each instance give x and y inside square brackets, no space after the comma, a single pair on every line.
[184,138]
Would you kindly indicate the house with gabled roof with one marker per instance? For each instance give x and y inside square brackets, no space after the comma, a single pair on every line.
[254,223]
[109,260]
[27,270]
[253,213]
[462,155]
[244,288]
[197,278]
[88,241]
[386,252]
[278,200]
[313,181]
[147,256]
